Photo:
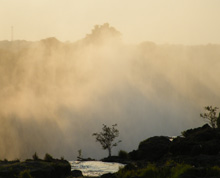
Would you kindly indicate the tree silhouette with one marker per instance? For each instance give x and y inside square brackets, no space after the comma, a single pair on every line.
[210,116]
[107,136]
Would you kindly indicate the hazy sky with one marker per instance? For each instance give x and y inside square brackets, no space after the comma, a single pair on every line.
[161,21]
[147,89]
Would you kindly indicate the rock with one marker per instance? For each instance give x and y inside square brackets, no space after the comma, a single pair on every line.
[130,167]
[153,148]
[37,169]
[108,175]
[76,173]
[202,140]
[115,159]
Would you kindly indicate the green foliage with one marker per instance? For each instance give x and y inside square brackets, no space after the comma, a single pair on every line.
[179,169]
[25,174]
[218,121]
[215,171]
[123,154]
[169,170]
[210,116]
[150,171]
[107,136]
[48,157]
[35,156]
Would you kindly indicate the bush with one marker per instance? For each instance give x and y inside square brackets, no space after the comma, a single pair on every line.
[35,157]
[169,170]
[215,171]
[180,169]
[48,157]
[150,171]
[123,154]
[62,158]
[25,174]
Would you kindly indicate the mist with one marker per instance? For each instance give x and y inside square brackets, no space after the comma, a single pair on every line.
[55,94]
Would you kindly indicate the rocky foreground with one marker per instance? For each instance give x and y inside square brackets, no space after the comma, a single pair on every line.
[194,154]
[35,168]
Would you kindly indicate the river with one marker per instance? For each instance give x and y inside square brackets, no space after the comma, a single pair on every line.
[95,168]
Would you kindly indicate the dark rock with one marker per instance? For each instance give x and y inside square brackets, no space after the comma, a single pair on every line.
[37,169]
[202,140]
[133,155]
[115,159]
[108,175]
[85,159]
[152,149]
[130,166]
[76,173]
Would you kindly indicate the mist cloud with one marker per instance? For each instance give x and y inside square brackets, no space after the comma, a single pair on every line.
[54,95]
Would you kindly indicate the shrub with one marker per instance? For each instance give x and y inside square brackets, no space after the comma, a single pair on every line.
[179,169]
[25,174]
[215,171]
[150,171]
[35,156]
[123,154]
[170,170]
[48,157]
[62,158]
[210,116]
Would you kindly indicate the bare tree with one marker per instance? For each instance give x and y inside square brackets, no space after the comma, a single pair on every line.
[107,136]
[210,116]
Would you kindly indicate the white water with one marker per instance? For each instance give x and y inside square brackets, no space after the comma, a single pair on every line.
[95,168]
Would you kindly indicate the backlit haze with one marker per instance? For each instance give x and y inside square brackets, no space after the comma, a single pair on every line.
[149,65]
[160,21]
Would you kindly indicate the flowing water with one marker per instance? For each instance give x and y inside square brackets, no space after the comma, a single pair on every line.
[95,168]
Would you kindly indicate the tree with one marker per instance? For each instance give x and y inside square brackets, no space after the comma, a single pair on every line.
[107,136]
[218,121]
[210,116]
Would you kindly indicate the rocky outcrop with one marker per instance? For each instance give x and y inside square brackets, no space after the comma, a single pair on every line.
[194,154]
[76,173]
[37,169]
[108,175]
[192,143]
[152,149]
[203,140]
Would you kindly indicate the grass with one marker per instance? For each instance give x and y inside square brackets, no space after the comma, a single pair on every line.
[169,170]
[25,174]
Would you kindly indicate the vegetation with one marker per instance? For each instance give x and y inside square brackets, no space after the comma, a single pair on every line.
[107,136]
[218,121]
[37,169]
[35,156]
[48,157]
[123,154]
[150,171]
[173,170]
[25,174]
[210,116]
[62,158]
[79,157]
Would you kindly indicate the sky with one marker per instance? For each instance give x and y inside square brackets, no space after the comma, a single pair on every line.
[161,21]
